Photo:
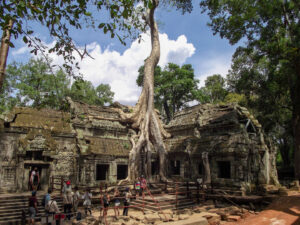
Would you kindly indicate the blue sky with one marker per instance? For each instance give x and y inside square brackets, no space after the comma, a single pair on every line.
[184,39]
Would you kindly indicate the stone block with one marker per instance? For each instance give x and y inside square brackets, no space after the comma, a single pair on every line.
[125,218]
[183,216]
[231,218]
[166,217]
[192,221]
[152,218]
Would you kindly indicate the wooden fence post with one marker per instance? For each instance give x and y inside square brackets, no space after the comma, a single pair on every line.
[176,193]
[198,189]
[61,184]
[52,183]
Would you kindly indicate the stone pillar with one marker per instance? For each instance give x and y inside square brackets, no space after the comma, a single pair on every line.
[112,178]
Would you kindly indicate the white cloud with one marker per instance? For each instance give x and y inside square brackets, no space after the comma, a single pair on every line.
[214,64]
[20,51]
[121,70]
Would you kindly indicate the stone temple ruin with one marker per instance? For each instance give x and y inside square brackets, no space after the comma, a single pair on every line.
[89,145]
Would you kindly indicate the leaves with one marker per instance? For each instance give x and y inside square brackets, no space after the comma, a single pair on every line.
[174,87]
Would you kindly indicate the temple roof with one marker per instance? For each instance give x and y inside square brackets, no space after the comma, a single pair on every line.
[47,119]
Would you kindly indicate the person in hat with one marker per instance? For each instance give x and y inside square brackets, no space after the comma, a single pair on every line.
[67,198]
[53,209]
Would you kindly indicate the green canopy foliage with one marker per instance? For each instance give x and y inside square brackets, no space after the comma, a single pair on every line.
[175,87]
[35,84]
[214,89]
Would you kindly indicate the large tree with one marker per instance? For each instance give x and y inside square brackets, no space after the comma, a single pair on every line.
[272,29]
[265,95]
[143,117]
[123,16]
[174,87]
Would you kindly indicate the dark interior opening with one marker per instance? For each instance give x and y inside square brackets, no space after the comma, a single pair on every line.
[175,167]
[102,171]
[122,172]
[224,169]
[38,155]
[200,169]
[154,168]
[6,125]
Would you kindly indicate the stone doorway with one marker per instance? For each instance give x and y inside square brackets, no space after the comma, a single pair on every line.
[44,174]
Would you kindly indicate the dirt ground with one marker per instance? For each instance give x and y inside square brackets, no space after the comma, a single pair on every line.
[283,211]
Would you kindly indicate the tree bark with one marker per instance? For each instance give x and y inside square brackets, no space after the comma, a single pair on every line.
[207,177]
[295,96]
[4,51]
[144,117]
[296,129]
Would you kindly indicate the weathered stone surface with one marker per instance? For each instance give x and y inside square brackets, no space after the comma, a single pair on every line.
[73,144]
[231,218]
[212,218]
[191,221]
[151,218]
[183,216]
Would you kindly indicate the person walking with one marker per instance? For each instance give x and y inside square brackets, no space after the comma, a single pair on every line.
[53,209]
[45,201]
[76,198]
[138,188]
[106,201]
[34,179]
[87,201]
[117,202]
[33,210]
[143,184]
[67,198]
[126,202]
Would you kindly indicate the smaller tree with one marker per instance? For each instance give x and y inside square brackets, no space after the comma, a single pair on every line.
[174,87]
[35,84]
[104,94]
[214,89]
[84,91]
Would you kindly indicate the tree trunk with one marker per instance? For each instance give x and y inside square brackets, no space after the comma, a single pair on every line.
[167,111]
[296,132]
[207,177]
[4,51]
[144,117]
[284,148]
[295,96]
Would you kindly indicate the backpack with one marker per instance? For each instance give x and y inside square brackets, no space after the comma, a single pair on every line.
[78,217]
[44,200]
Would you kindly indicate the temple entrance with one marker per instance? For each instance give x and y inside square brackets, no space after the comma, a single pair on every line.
[43,170]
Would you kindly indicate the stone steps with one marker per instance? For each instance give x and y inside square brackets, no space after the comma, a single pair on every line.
[11,207]
[163,202]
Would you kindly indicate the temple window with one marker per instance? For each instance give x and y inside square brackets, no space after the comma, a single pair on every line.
[122,172]
[175,167]
[102,171]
